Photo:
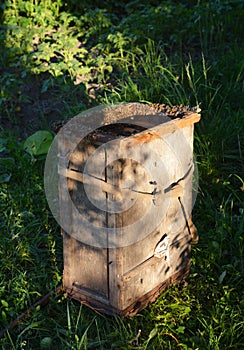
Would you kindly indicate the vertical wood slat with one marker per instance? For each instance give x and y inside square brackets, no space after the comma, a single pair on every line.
[85,267]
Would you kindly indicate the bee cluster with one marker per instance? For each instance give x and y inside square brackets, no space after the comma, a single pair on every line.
[178,111]
[172,112]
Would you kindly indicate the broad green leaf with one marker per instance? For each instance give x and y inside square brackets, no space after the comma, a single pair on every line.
[4,303]
[38,144]
[187,310]
[181,329]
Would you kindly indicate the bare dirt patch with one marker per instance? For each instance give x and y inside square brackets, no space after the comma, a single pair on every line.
[29,107]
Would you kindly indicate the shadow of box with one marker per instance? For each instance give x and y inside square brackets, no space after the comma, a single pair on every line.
[126,198]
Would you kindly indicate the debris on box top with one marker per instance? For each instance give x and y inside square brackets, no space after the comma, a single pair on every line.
[178,111]
[162,110]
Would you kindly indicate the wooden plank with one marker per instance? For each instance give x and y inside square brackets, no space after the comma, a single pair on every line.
[166,128]
[174,190]
[149,274]
[139,281]
[85,267]
[91,180]
[89,200]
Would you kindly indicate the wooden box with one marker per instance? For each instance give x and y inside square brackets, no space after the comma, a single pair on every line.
[128,233]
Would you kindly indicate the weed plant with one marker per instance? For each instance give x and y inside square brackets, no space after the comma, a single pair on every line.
[61,57]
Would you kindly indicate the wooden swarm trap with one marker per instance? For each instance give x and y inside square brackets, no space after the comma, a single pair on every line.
[131,182]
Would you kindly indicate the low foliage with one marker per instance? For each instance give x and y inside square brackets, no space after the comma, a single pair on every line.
[61,57]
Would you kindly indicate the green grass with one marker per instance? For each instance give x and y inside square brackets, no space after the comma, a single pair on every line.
[60,58]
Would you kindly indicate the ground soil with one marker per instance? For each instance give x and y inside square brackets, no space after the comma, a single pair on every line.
[29,109]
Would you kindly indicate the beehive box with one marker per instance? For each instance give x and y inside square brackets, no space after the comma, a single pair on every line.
[128,232]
